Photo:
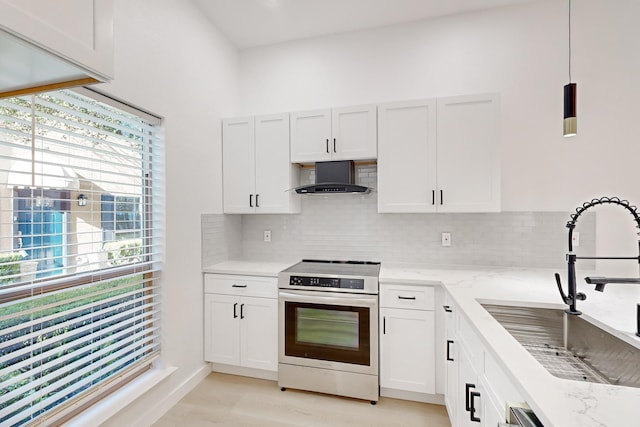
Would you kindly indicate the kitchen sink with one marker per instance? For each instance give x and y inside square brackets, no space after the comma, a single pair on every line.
[570,347]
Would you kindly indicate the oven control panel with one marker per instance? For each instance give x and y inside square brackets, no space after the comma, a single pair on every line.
[326,282]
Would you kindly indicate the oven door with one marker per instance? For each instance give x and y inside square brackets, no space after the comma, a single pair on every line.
[329,330]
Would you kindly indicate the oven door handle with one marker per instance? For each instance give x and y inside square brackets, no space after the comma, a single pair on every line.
[343,299]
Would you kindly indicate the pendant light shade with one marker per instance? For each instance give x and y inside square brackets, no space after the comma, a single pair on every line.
[570,126]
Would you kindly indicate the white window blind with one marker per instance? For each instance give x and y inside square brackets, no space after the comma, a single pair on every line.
[81,232]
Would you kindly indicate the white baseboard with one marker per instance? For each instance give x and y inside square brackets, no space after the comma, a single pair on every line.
[245,372]
[436,399]
[161,408]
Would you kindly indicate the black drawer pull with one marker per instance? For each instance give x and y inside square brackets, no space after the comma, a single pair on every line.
[238,286]
[467,396]
[242,311]
[235,313]
[449,358]
[250,200]
[384,325]
[327,145]
[447,308]
[410,298]
[472,411]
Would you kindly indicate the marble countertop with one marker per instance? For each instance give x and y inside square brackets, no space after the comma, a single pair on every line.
[558,402]
[249,268]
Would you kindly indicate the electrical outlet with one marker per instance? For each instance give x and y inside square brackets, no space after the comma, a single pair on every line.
[446,239]
[267,235]
[575,239]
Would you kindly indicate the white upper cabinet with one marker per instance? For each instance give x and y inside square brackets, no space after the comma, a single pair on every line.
[340,134]
[354,134]
[257,173]
[238,160]
[439,155]
[80,32]
[310,136]
[407,156]
[469,153]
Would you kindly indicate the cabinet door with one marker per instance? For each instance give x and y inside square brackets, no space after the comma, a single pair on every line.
[238,165]
[354,134]
[310,136]
[493,412]
[259,333]
[467,384]
[275,175]
[222,329]
[80,31]
[469,154]
[407,354]
[407,156]
[451,362]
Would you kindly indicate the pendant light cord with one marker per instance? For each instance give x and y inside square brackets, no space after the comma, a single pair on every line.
[569,41]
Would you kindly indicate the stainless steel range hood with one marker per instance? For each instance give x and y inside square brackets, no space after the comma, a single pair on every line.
[334,177]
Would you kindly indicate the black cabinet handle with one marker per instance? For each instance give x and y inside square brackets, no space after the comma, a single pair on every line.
[449,358]
[242,311]
[235,313]
[441,197]
[472,409]
[384,326]
[257,204]
[334,145]
[467,395]
[433,197]
[238,286]
[410,298]
[250,200]
[327,145]
[447,308]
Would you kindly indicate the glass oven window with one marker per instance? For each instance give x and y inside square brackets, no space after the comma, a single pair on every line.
[328,332]
[327,327]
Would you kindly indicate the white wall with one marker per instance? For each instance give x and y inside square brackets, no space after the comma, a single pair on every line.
[520,52]
[172,62]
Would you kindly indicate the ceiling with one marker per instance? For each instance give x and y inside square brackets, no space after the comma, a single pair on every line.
[250,23]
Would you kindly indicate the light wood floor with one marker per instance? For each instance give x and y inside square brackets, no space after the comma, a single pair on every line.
[229,400]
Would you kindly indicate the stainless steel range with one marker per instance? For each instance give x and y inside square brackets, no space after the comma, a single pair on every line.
[328,332]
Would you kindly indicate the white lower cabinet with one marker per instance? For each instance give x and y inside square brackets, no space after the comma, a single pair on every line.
[469,393]
[241,321]
[407,327]
[476,389]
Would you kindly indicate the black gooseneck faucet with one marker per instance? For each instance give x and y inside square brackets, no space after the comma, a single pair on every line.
[572,295]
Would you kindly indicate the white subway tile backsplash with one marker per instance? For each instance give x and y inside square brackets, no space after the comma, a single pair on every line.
[347,226]
[221,238]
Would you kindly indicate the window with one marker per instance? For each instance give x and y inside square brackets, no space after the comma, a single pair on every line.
[79,251]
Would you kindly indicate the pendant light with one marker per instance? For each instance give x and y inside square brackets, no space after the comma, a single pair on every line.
[570,126]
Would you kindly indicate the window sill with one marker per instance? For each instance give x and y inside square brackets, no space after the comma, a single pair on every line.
[108,407]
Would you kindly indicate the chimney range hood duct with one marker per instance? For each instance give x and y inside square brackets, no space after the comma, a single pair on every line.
[334,177]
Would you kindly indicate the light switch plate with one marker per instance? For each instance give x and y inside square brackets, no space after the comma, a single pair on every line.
[446,239]
[267,235]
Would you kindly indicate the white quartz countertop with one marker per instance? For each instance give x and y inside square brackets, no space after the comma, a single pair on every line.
[249,268]
[557,402]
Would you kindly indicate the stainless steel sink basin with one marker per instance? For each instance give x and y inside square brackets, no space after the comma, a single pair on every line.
[570,347]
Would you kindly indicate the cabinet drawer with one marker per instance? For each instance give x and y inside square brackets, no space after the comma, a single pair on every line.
[408,297]
[253,286]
